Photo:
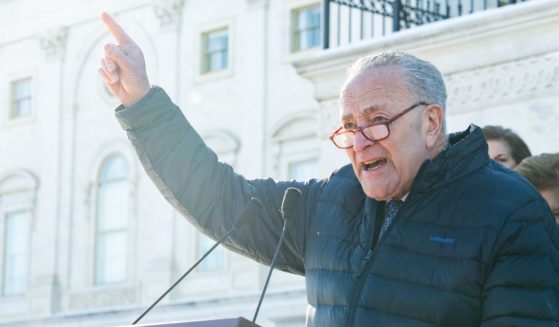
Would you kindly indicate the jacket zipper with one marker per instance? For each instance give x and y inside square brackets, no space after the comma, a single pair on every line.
[357,290]
[358,287]
[379,210]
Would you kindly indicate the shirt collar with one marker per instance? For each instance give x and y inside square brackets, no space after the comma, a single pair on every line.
[403,198]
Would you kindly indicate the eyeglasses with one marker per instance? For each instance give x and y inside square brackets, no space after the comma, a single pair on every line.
[344,139]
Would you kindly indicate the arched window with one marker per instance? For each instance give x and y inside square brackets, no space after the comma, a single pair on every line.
[296,147]
[111,252]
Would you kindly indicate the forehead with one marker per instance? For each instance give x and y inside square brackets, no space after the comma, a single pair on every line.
[498,146]
[373,90]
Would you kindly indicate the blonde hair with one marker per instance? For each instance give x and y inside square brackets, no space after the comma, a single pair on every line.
[541,170]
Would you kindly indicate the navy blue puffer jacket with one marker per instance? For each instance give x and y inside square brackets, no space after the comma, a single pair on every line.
[473,245]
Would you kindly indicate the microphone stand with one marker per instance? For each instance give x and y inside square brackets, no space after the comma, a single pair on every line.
[183,276]
[274,259]
[251,210]
[291,199]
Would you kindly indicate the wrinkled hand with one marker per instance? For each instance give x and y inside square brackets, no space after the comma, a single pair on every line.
[123,68]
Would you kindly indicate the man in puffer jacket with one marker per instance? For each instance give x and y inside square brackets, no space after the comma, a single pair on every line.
[422,229]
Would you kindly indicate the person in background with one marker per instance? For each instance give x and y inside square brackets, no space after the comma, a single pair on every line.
[543,172]
[505,146]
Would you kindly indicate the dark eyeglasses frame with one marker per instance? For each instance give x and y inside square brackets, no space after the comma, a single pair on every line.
[340,130]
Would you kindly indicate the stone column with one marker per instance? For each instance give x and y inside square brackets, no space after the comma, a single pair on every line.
[48,235]
[169,15]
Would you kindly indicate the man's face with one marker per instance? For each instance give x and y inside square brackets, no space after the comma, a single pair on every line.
[551,196]
[385,168]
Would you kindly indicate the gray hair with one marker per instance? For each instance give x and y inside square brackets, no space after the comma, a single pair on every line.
[424,80]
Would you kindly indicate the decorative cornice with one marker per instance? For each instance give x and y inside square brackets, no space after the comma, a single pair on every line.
[53,41]
[168,12]
[503,82]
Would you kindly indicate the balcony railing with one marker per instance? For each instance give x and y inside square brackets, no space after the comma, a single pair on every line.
[347,21]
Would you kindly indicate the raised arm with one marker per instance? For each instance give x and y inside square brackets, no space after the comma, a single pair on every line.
[123,67]
[187,173]
[209,193]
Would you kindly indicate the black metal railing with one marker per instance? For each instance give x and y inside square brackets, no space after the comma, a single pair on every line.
[347,21]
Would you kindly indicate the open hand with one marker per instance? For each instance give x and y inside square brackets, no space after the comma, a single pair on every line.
[123,67]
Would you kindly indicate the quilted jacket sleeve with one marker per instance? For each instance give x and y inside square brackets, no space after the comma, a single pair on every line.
[522,287]
[209,193]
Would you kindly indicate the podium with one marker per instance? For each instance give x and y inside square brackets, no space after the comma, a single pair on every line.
[228,322]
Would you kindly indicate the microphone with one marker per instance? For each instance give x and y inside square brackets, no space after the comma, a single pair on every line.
[289,204]
[250,211]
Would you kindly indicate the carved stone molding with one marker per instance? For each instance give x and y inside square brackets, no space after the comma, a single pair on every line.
[102,298]
[168,12]
[329,117]
[467,91]
[255,4]
[483,86]
[53,42]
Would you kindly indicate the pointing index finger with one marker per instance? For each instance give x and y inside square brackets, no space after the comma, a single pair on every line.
[118,33]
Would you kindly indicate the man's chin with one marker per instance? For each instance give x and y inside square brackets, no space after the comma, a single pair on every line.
[374,192]
[375,189]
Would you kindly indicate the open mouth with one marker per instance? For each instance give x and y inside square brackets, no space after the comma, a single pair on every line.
[373,164]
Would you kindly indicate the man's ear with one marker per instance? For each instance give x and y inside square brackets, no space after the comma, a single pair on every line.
[433,117]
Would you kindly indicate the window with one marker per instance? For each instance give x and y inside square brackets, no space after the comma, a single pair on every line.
[21,98]
[18,194]
[295,147]
[303,170]
[215,50]
[16,253]
[501,3]
[305,28]
[216,260]
[112,220]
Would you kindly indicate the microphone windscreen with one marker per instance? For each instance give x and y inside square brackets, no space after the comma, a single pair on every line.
[251,210]
[291,199]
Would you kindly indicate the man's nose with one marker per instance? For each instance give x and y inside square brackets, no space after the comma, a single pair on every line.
[360,142]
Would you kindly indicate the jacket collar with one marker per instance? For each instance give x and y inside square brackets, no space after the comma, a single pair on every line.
[467,152]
